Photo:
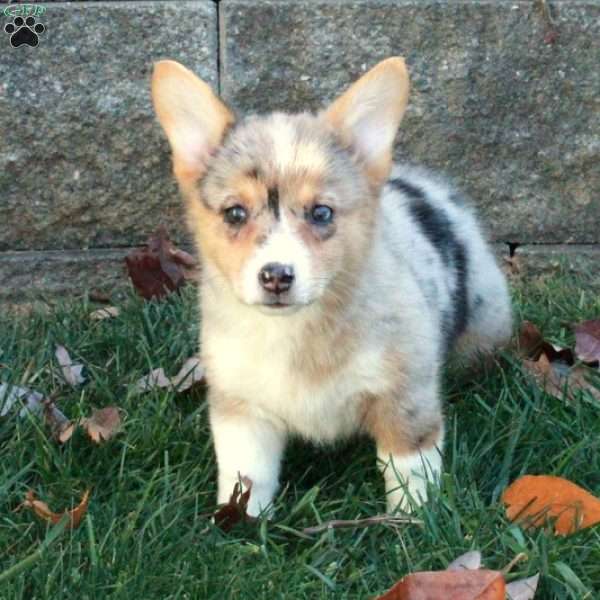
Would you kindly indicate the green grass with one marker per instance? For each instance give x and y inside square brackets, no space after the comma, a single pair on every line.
[147,536]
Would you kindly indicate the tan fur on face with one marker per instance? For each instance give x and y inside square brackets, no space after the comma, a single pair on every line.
[193,118]
[376,101]
[313,170]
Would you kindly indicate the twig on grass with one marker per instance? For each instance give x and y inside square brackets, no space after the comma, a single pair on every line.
[353,523]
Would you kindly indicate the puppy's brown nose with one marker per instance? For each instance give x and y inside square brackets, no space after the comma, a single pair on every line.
[276,278]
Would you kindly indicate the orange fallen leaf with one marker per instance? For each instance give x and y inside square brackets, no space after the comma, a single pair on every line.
[103,423]
[449,585]
[42,510]
[534,499]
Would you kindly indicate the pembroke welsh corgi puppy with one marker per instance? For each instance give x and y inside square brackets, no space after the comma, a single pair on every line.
[333,283]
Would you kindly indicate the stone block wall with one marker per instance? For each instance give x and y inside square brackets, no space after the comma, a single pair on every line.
[504,100]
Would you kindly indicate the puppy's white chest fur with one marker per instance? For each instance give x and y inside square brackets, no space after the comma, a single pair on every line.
[252,363]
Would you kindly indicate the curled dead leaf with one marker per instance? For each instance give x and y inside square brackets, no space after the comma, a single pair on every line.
[537,499]
[235,511]
[35,403]
[103,424]
[456,585]
[557,378]
[191,372]
[107,312]
[71,371]
[27,400]
[42,510]
[587,341]
[532,345]
[512,266]
[65,433]
[160,267]
[470,561]
[523,589]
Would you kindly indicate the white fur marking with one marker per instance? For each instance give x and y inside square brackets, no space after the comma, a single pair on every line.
[252,448]
[285,247]
[407,476]
[291,155]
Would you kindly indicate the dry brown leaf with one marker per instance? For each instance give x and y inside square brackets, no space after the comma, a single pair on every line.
[469,561]
[107,312]
[234,511]
[71,371]
[556,378]
[155,379]
[35,403]
[581,378]
[512,266]
[535,499]
[103,424]
[523,589]
[65,433]
[190,373]
[99,296]
[42,510]
[587,341]
[28,400]
[449,585]
[532,345]
[530,340]
[160,267]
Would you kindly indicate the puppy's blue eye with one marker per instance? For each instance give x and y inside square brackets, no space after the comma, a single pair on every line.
[236,215]
[321,214]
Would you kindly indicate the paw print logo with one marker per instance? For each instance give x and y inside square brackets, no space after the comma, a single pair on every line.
[24,31]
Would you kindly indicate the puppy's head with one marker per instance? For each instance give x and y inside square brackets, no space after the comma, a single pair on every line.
[282,206]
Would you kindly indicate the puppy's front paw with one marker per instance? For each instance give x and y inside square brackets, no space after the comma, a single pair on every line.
[257,497]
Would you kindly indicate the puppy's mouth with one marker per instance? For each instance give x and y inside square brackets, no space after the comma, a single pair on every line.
[279,306]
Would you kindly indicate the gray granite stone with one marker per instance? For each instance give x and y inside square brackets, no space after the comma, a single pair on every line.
[82,161]
[26,277]
[515,120]
[29,276]
[545,259]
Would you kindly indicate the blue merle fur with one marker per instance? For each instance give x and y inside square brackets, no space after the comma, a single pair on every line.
[438,229]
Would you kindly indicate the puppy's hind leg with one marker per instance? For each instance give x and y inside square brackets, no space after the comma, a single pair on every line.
[409,434]
[490,314]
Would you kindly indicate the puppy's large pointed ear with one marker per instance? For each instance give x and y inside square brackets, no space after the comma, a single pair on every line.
[192,116]
[368,114]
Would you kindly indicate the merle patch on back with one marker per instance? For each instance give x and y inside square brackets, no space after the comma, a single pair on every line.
[436,226]
[407,188]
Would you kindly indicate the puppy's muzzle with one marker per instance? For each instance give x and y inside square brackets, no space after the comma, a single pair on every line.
[276,278]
